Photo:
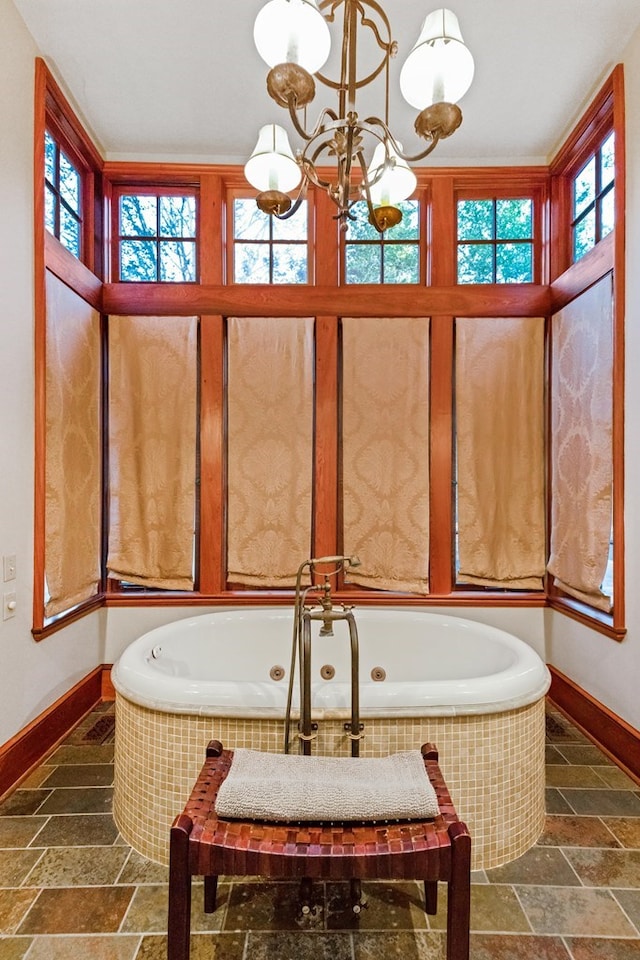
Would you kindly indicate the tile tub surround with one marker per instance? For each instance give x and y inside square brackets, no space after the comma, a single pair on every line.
[493,765]
[574,896]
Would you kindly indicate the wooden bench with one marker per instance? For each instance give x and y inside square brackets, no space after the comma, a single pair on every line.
[201,844]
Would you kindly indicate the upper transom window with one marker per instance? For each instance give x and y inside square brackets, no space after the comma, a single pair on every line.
[495,240]
[268,250]
[157,237]
[593,199]
[392,257]
[62,197]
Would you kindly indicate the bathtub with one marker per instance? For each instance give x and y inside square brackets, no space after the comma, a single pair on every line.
[474,690]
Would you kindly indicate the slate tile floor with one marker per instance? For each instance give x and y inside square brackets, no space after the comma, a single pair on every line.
[71,889]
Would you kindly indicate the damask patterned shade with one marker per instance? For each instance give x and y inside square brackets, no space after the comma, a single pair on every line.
[152,450]
[582,444]
[73,449]
[500,451]
[385,451]
[270,448]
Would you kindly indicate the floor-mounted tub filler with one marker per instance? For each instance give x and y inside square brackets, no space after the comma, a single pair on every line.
[475,691]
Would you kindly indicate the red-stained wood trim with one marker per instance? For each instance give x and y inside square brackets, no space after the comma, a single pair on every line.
[441,238]
[590,268]
[88,606]
[441,577]
[587,133]
[212,530]
[596,620]
[107,689]
[27,748]
[327,537]
[243,597]
[328,242]
[361,300]
[62,116]
[211,230]
[617,738]
[71,271]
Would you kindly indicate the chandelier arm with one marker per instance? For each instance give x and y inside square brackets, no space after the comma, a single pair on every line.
[389,47]
[295,206]
[367,193]
[293,114]
[425,153]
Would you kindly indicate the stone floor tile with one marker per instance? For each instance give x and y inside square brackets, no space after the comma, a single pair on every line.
[560,730]
[583,948]
[298,946]
[112,947]
[629,900]
[70,830]
[399,945]
[389,906]
[539,865]
[81,775]
[553,756]
[627,830]
[603,803]
[272,906]
[574,911]
[14,904]
[558,775]
[15,866]
[36,777]
[138,869]
[216,946]
[606,868]
[78,866]
[583,753]
[616,778]
[555,802]
[23,803]
[96,753]
[77,910]
[19,831]
[492,946]
[494,907]
[14,948]
[78,800]
[570,831]
[147,911]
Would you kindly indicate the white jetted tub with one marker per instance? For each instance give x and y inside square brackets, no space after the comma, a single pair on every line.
[474,690]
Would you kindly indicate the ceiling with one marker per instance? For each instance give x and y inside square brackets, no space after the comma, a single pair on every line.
[181,80]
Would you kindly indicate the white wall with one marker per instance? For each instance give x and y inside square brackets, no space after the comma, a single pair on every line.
[32,675]
[608,670]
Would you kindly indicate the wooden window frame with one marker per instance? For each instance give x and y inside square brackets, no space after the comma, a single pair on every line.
[383,239]
[594,205]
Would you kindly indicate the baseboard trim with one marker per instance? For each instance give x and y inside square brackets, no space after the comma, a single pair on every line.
[617,738]
[30,746]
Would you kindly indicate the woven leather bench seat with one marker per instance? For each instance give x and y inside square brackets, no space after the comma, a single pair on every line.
[201,844]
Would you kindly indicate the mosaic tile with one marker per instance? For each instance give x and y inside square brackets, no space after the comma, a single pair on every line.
[626,830]
[19,831]
[78,866]
[603,803]
[81,775]
[567,911]
[78,910]
[540,865]
[515,947]
[91,829]
[606,868]
[570,831]
[84,948]
[14,948]
[390,906]
[272,906]
[219,946]
[14,904]
[302,946]
[400,945]
[599,949]
[78,800]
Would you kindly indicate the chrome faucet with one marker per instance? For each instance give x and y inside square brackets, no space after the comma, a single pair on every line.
[301,646]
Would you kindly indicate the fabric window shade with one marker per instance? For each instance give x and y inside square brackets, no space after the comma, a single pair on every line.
[582,444]
[270,448]
[385,451]
[500,452]
[152,450]
[73,460]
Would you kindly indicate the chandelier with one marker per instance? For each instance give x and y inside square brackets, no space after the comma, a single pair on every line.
[294,39]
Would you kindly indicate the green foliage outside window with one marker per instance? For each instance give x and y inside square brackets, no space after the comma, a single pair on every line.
[392,257]
[593,199]
[157,237]
[495,241]
[268,250]
[62,196]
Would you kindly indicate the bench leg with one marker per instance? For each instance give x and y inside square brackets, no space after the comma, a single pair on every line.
[210,892]
[179,914]
[459,894]
[431,896]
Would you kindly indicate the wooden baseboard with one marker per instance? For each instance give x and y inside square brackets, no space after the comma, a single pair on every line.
[28,748]
[617,738]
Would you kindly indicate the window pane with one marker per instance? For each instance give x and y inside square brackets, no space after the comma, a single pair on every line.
[409,226]
[514,219]
[251,263]
[401,263]
[249,223]
[138,260]
[584,236]
[69,184]
[475,220]
[294,228]
[290,263]
[178,261]
[607,213]
[363,263]
[69,232]
[50,200]
[475,263]
[607,157]
[514,263]
[50,158]
[177,216]
[359,228]
[584,188]
[138,216]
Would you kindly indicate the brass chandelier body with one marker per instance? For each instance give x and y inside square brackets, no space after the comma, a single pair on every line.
[340,136]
